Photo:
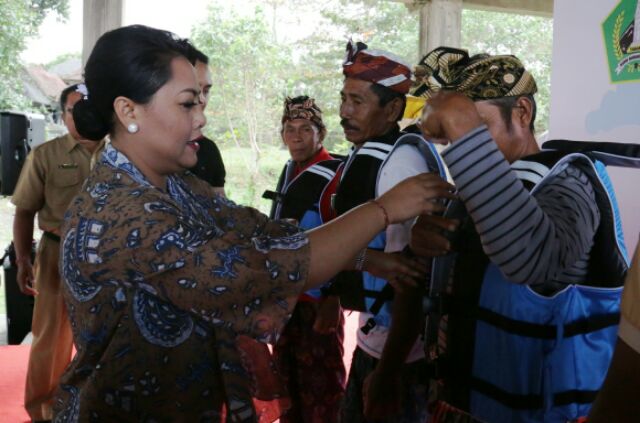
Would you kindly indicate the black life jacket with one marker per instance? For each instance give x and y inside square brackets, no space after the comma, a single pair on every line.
[358,184]
[294,197]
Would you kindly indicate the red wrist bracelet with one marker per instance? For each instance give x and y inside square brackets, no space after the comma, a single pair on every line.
[384,212]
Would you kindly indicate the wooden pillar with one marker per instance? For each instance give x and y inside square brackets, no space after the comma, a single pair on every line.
[98,17]
[440,24]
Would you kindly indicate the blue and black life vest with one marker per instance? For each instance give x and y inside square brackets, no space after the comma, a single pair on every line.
[358,184]
[297,198]
[510,353]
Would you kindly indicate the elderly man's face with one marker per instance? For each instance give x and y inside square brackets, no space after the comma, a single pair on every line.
[362,116]
[302,138]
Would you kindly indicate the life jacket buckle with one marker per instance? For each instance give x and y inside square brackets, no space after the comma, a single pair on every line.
[273,196]
[371,323]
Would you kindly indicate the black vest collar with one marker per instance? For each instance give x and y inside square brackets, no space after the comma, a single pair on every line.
[358,184]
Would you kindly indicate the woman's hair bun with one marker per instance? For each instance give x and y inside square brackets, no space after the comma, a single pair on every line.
[88,121]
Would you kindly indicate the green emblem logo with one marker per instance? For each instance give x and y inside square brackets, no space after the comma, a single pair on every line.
[621,31]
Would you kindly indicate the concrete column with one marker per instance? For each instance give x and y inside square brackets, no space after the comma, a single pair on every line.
[99,16]
[440,24]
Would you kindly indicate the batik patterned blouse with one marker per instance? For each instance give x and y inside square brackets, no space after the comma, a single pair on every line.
[171,296]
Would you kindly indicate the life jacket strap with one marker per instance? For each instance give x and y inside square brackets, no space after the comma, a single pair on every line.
[381,297]
[541,331]
[531,401]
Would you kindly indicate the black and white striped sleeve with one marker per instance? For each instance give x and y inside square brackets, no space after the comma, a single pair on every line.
[532,239]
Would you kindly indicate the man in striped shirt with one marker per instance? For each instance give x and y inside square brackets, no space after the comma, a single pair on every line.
[528,252]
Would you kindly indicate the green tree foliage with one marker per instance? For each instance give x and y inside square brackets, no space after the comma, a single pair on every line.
[254,71]
[19,20]
[527,37]
[250,74]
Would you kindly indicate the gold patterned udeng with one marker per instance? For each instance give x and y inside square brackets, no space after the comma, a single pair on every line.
[480,77]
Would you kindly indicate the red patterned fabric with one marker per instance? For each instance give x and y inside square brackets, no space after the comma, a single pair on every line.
[312,367]
[377,66]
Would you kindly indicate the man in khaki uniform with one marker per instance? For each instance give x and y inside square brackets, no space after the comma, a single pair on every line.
[52,175]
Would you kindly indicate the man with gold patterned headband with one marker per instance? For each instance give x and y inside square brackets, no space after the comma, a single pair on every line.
[373,101]
[522,319]
[309,350]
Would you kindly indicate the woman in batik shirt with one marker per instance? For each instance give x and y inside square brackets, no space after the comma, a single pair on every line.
[173,291]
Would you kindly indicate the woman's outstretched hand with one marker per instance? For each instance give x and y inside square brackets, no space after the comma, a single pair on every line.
[420,194]
[334,245]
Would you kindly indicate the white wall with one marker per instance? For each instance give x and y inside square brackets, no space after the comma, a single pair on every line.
[586,105]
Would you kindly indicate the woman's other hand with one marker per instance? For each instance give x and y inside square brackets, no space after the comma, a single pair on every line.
[429,235]
[400,271]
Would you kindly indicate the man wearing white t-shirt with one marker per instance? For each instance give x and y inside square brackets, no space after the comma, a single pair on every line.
[373,101]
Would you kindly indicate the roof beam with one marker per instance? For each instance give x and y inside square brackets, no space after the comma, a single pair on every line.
[523,7]
[98,17]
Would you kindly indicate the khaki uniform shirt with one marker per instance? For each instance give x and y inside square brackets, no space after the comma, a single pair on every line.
[630,322]
[51,176]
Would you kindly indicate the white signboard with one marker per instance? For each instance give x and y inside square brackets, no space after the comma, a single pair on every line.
[595,86]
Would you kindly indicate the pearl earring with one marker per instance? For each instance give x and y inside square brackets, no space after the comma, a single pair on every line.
[132,128]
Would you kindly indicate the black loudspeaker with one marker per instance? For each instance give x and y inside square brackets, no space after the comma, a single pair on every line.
[19,305]
[19,133]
